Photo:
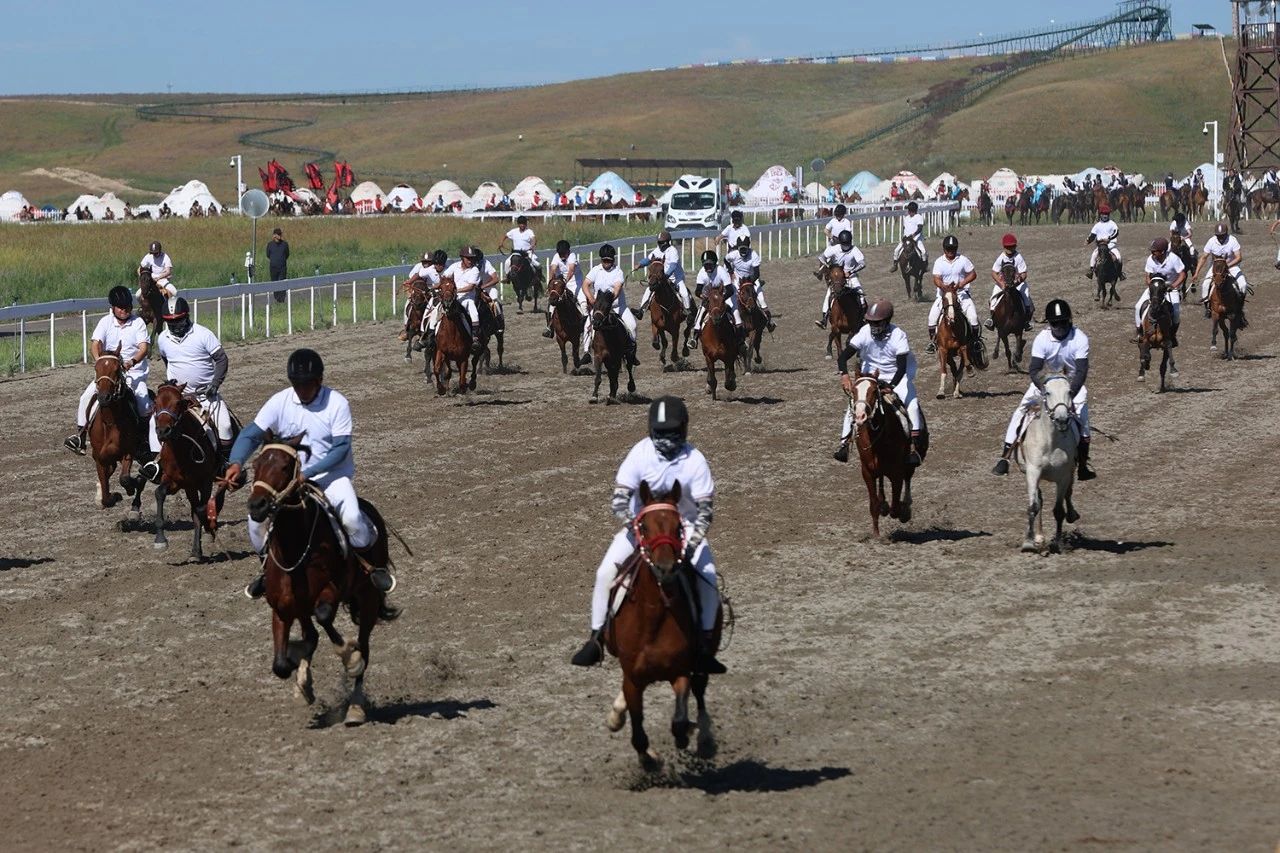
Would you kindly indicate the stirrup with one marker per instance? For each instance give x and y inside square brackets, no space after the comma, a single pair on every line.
[256,588]
[547,333]
[75,444]
[151,471]
[842,452]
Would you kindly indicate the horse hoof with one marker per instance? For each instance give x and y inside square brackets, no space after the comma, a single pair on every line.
[614,721]
[1054,547]
[1072,516]
[1029,547]
[650,761]
[827,356]
[355,715]
[159,544]
[611,401]
[941,396]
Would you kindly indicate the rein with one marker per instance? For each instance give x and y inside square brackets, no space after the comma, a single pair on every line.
[278,495]
[645,545]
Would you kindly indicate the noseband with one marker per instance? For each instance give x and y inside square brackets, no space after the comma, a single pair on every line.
[874,409]
[115,378]
[279,497]
[645,545]
[1060,425]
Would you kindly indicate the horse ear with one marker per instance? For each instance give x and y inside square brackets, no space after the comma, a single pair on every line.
[875,373]
[674,494]
[293,441]
[646,494]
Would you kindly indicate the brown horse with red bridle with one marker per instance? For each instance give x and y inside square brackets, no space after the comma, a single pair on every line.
[883,446]
[1226,307]
[310,573]
[453,343]
[952,341]
[654,634]
[719,340]
[116,431]
[666,313]
[189,463]
[566,322]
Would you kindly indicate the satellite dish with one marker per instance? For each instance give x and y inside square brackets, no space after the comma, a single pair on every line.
[818,164]
[254,204]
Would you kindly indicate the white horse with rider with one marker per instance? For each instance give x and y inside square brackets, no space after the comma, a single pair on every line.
[1048,451]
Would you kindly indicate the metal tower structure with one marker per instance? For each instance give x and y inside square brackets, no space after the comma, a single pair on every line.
[1255,86]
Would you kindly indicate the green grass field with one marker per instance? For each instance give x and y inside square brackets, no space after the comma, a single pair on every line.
[1140,107]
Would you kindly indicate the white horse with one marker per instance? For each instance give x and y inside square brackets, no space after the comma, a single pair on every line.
[1048,450]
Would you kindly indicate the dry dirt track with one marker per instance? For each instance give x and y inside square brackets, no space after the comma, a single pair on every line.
[939,691]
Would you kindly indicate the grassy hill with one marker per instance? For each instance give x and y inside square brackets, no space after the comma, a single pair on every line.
[1141,107]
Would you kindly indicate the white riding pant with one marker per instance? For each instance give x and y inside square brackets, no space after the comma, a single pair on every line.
[628,322]
[341,493]
[730,302]
[506,264]
[680,288]
[924,253]
[850,284]
[1242,286]
[170,292]
[138,386]
[1023,288]
[1034,397]
[1115,253]
[1175,305]
[217,416]
[759,288]
[966,305]
[623,545]
[906,391]
[468,301]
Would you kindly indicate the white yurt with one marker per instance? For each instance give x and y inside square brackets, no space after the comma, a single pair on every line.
[815,192]
[85,200]
[911,183]
[943,178]
[487,194]
[1003,182]
[450,192]
[404,197]
[522,197]
[610,185]
[109,201]
[576,191]
[768,187]
[181,198]
[10,204]
[368,197]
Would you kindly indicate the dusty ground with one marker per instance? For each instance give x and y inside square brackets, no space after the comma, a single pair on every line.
[938,690]
[88,180]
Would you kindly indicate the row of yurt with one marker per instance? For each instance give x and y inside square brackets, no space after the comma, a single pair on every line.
[403,197]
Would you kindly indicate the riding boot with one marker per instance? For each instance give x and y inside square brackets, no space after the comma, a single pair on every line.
[631,354]
[1120,270]
[382,579]
[933,346]
[1208,313]
[257,587]
[404,334]
[1173,337]
[842,452]
[1089,273]
[706,662]
[913,455]
[768,318]
[1137,335]
[77,443]
[822,322]
[1083,471]
[894,268]
[592,651]
[1002,464]
[990,324]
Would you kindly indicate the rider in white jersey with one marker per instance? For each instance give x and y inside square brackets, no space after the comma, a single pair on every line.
[1104,233]
[672,267]
[734,232]
[161,266]
[882,350]
[954,269]
[472,275]
[1162,264]
[663,459]
[523,242]
[1010,255]
[564,263]
[838,225]
[429,272]
[745,265]
[1223,244]
[849,258]
[912,226]
[1061,348]
[606,276]
[713,276]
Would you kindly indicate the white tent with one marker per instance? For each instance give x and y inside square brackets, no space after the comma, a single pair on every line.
[86,201]
[10,204]
[1206,169]
[911,183]
[944,178]
[522,197]
[769,187]
[863,183]
[181,198]
[487,194]
[610,185]
[1003,182]
[576,191]
[404,197]
[109,201]
[306,194]
[814,191]
[368,197]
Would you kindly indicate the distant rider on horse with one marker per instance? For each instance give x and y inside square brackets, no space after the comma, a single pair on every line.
[564,263]
[607,276]
[1061,348]
[661,460]
[849,258]
[471,274]
[161,266]
[746,268]
[1104,230]
[1010,255]
[429,271]
[912,227]
[838,225]
[953,269]
[1223,244]
[523,242]
[671,267]
[1162,264]
[734,232]
[711,277]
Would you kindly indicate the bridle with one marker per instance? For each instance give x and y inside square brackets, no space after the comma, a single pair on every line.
[116,378]
[873,419]
[1062,424]
[279,497]
[175,415]
[645,544]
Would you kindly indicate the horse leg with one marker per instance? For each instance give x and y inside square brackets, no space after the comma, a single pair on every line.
[957,369]
[280,663]
[595,395]
[1144,360]
[873,500]
[197,527]
[1059,513]
[302,685]
[1164,366]
[711,377]
[631,381]
[1029,544]
[104,484]
[617,713]
[680,718]
[357,663]
[730,376]
[161,542]
[634,694]
[706,737]
[895,506]
[501,345]
[613,369]
[942,380]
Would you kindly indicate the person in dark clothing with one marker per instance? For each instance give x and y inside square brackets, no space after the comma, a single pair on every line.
[278,259]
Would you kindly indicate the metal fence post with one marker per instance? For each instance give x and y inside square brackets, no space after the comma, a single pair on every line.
[375,299]
[219,313]
[288,310]
[393,296]
[84,337]
[242,316]
[22,344]
[335,304]
[53,359]
[313,307]
[267,315]
[354,318]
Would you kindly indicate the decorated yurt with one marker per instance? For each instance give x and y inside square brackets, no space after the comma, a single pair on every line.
[487,195]
[1003,182]
[769,187]
[368,197]
[611,185]
[522,197]
[911,183]
[10,204]
[404,197]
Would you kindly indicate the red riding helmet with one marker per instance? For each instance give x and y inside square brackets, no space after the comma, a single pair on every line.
[1104,208]
[1009,241]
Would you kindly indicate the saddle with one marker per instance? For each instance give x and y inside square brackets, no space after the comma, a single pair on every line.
[624,581]
[312,490]
[900,409]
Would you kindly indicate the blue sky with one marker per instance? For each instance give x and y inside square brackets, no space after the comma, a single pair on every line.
[291,46]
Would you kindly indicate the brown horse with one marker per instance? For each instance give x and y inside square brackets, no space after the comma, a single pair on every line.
[846,314]
[912,265]
[654,634]
[666,314]
[1169,202]
[152,306]
[952,342]
[310,573]
[1199,198]
[1106,272]
[1009,316]
[116,431]
[1157,332]
[452,343]
[189,463]
[719,340]
[609,347]
[883,445]
[566,322]
[986,209]
[754,322]
[525,278]
[1226,306]
[418,298]
[492,327]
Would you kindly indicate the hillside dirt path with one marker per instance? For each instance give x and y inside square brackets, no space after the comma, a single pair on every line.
[935,690]
[88,180]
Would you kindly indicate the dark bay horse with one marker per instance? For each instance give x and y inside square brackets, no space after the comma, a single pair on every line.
[153,305]
[1226,306]
[1009,316]
[453,343]
[952,342]
[882,448]
[1010,208]
[309,573]
[719,340]
[492,327]
[666,314]
[566,322]
[655,632]
[754,323]
[525,278]
[1106,272]
[1157,332]
[418,296]
[116,431]
[912,265]
[846,315]
[189,463]
[609,347]
[986,209]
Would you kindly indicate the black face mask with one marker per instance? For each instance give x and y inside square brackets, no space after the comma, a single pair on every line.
[1060,330]
[179,328]
[668,444]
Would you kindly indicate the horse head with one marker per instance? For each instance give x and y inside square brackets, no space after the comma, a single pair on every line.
[836,278]
[866,397]
[145,282]
[171,403]
[1157,290]
[448,293]
[555,289]
[1009,273]
[108,376]
[657,272]
[713,300]
[277,475]
[1219,270]
[747,296]
[659,532]
[1057,401]
[603,308]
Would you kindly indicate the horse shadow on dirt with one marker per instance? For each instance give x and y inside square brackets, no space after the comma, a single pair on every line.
[7,563]
[755,401]
[1174,389]
[1077,541]
[1254,356]
[934,534]
[497,401]
[228,556]
[504,370]
[983,395]
[396,710]
[744,775]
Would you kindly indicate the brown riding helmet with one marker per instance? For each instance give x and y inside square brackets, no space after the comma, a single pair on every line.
[1221,230]
[880,311]
[1159,245]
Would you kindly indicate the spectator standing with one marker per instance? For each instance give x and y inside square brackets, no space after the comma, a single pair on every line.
[278,260]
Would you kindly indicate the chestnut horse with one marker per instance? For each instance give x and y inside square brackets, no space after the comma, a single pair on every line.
[453,343]
[1157,332]
[1009,316]
[666,314]
[719,340]
[912,265]
[654,633]
[116,431]
[153,305]
[1226,306]
[309,572]
[566,322]
[754,323]
[846,314]
[952,342]
[189,462]
[609,347]
[883,445]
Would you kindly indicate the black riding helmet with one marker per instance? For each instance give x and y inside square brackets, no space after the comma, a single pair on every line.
[668,418]
[120,297]
[841,210]
[1058,315]
[912,207]
[736,216]
[950,243]
[846,238]
[563,248]
[440,257]
[305,365]
[710,259]
[522,220]
[608,253]
[178,319]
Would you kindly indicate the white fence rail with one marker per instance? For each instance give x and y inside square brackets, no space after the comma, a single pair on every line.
[246,310]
